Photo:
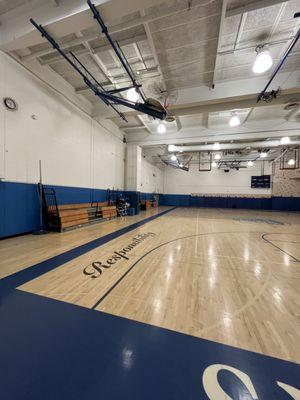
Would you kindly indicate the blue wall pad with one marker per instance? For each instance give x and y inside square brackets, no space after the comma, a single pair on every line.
[272,203]
[19,204]
[286,203]
[54,350]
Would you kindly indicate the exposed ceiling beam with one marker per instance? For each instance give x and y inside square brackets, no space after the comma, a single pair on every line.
[246,7]
[95,50]
[221,26]
[113,28]
[152,46]
[242,102]
[120,79]
[228,103]
[216,137]
[234,146]
[46,12]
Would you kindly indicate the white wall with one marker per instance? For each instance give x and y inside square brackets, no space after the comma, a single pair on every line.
[133,168]
[152,178]
[75,149]
[214,182]
[141,174]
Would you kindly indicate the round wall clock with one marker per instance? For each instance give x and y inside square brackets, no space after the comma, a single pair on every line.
[10,104]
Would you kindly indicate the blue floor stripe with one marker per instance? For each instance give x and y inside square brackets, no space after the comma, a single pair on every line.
[52,350]
[21,277]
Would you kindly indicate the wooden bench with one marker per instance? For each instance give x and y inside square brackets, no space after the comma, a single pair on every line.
[71,215]
[109,211]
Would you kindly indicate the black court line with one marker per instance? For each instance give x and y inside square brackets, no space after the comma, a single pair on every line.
[171,241]
[285,241]
[25,275]
[277,247]
[149,252]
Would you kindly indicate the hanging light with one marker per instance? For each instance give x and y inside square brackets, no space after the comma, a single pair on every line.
[250,163]
[217,157]
[213,164]
[161,128]
[217,146]
[173,157]
[291,161]
[263,60]
[263,154]
[234,121]
[132,95]
[285,140]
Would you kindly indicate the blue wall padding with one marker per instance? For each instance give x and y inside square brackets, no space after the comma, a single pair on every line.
[147,196]
[69,195]
[19,208]
[175,200]
[19,205]
[272,203]
[286,203]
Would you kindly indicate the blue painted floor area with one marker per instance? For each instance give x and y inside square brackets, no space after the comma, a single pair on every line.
[54,350]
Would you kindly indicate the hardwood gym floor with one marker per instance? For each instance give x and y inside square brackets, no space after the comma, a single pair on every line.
[229,276]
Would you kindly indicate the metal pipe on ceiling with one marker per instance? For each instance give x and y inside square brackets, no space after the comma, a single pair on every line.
[233,146]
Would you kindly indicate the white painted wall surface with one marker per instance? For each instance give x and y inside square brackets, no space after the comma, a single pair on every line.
[133,174]
[141,175]
[152,178]
[214,182]
[75,149]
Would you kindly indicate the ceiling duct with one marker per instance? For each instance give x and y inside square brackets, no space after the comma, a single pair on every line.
[229,146]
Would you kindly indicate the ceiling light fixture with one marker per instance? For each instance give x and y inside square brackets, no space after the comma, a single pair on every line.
[171,148]
[161,128]
[263,61]
[213,164]
[173,157]
[263,154]
[234,121]
[217,146]
[285,140]
[132,95]
[250,163]
[291,162]
[217,157]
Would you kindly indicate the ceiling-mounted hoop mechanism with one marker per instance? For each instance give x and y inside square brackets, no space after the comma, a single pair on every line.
[168,99]
[149,106]
[169,118]
[201,162]
[273,94]
[270,96]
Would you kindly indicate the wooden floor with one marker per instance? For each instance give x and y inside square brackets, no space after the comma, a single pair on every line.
[231,276]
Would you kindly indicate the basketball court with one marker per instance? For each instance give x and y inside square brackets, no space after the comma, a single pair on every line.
[150,246]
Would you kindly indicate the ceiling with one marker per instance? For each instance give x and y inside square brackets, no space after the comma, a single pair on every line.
[195,56]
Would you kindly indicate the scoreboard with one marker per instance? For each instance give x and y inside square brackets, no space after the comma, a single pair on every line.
[261,182]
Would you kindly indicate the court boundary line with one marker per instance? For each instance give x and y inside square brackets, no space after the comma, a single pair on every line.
[277,247]
[34,271]
[164,244]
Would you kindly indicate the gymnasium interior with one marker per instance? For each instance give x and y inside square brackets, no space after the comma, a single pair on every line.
[149,199]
